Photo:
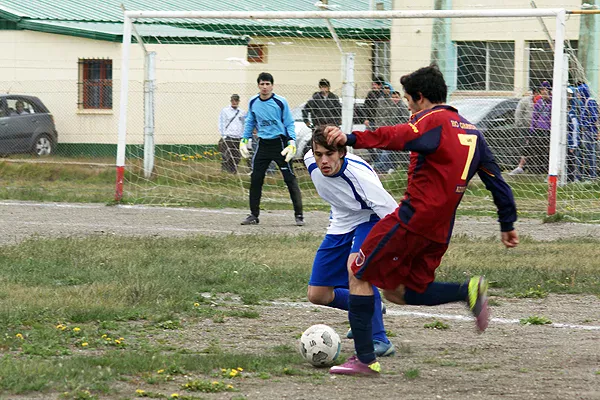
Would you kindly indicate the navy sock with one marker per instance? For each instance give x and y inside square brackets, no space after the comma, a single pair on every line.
[360,315]
[340,299]
[437,293]
[377,321]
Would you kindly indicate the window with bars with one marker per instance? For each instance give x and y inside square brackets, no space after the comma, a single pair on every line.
[485,65]
[257,53]
[95,84]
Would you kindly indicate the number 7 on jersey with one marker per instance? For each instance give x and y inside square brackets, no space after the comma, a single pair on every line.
[471,142]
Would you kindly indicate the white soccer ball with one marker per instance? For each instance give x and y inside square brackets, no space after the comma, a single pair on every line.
[320,345]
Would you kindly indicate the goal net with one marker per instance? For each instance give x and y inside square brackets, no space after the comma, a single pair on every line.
[181,70]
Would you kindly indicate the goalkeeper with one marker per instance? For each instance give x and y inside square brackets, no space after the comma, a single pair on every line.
[270,115]
[358,200]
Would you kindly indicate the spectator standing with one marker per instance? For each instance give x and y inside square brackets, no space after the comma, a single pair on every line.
[538,149]
[324,108]
[523,115]
[270,115]
[573,130]
[231,128]
[371,102]
[391,110]
[589,131]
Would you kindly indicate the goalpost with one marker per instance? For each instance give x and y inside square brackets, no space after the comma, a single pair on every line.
[210,55]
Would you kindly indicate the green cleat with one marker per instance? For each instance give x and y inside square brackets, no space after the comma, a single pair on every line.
[478,301]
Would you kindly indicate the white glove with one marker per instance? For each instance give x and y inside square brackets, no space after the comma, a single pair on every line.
[290,151]
[244,148]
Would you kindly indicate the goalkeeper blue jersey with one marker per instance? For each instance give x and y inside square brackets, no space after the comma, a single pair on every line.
[272,118]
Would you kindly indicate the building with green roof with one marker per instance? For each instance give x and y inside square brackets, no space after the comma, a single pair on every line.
[68,53]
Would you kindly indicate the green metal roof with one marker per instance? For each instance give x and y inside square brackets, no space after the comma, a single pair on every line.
[113,31]
[20,11]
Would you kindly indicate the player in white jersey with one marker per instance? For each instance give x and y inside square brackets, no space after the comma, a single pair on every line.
[358,200]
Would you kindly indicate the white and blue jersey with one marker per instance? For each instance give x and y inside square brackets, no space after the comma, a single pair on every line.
[272,118]
[355,193]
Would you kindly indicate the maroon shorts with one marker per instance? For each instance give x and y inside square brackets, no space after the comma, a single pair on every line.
[391,256]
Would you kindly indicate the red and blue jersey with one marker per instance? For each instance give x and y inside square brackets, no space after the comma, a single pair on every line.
[446,152]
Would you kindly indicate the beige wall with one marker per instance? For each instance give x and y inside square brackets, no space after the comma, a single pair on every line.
[411,38]
[194,82]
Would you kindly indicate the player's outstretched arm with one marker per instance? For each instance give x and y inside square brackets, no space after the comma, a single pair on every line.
[335,136]
[510,239]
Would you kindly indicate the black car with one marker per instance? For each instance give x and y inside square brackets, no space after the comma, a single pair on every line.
[495,119]
[26,126]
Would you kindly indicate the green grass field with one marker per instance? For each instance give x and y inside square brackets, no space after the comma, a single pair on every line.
[181,181]
[86,318]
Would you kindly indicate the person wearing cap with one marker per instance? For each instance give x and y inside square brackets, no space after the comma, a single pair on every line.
[231,128]
[324,108]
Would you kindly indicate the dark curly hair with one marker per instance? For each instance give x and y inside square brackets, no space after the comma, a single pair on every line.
[427,82]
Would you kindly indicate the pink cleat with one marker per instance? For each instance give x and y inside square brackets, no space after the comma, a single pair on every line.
[354,367]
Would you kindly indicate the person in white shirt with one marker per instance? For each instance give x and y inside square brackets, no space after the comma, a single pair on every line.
[358,200]
[231,127]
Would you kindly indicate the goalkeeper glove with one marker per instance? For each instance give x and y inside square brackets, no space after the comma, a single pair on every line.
[290,151]
[244,148]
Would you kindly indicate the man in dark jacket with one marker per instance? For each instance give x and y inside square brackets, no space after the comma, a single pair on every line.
[324,108]
[372,102]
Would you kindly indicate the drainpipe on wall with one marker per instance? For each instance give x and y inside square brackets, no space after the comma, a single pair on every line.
[588,47]
[443,51]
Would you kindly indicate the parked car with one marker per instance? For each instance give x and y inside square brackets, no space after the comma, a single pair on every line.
[26,126]
[495,119]
[304,133]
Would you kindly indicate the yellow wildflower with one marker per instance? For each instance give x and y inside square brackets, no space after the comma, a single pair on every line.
[104,336]
[233,373]
[140,391]
[182,159]
[76,329]
[229,386]
[19,336]
[215,382]
[223,370]
[174,396]
[240,369]
[160,371]
[84,344]
[108,339]
[117,341]
[121,339]
[196,304]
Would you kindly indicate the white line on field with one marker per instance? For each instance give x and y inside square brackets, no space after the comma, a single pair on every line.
[121,228]
[419,314]
[125,206]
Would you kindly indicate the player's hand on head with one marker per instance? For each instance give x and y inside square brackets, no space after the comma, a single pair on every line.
[334,135]
[510,239]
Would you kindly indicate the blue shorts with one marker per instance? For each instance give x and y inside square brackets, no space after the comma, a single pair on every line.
[330,265]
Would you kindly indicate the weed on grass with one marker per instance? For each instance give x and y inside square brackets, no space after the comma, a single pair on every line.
[437,325]
[535,320]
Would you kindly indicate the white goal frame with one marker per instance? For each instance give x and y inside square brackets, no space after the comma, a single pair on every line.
[556,142]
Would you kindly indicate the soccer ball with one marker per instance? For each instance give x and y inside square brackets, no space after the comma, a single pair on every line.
[320,345]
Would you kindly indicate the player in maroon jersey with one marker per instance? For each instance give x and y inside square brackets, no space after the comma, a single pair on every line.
[403,250]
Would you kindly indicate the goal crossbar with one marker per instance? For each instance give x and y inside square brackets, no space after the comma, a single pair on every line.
[537,12]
